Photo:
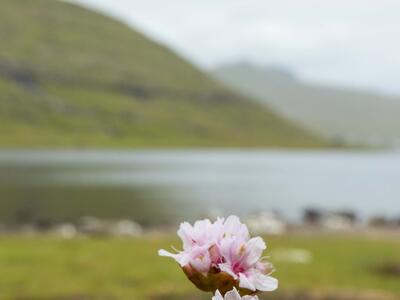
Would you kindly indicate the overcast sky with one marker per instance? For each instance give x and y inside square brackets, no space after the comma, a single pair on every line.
[343,42]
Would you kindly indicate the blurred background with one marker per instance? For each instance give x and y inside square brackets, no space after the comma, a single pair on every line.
[120,119]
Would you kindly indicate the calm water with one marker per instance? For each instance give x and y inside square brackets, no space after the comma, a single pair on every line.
[163,185]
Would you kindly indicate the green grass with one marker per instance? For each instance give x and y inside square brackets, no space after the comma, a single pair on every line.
[48,268]
[70,77]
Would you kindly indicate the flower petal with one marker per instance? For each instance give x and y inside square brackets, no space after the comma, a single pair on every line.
[227,268]
[185,232]
[200,259]
[254,250]
[262,282]
[217,296]
[233,227]
[182,258]
[245,283]
[233,295]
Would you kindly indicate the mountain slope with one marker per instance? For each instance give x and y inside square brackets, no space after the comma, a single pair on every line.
[72,77]
[343,115]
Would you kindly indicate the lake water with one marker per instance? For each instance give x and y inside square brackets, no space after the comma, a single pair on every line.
[164,185]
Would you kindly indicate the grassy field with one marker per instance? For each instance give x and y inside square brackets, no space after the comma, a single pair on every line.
[49,268]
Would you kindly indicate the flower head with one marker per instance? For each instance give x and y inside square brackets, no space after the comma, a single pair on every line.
[222,255]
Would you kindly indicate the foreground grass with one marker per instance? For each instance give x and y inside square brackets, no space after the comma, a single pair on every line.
[50,268]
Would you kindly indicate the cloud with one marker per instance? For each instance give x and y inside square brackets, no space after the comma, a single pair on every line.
[341,42]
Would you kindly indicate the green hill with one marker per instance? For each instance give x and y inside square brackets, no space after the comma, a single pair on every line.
[72,77]
[345,116]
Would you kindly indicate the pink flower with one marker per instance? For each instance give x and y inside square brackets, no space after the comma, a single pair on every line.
[197,240]
[242,260]
[232,227]
[232,295]
[221,255]
[202,233]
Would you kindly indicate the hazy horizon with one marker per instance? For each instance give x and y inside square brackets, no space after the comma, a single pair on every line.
[340,43]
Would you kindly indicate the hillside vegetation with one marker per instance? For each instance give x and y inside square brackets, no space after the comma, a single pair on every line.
[341,115]
[72,77]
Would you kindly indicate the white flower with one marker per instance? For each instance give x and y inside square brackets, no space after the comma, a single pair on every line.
[232,295]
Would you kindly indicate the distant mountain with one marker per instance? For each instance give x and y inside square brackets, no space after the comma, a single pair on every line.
[342,115]
[72,77]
